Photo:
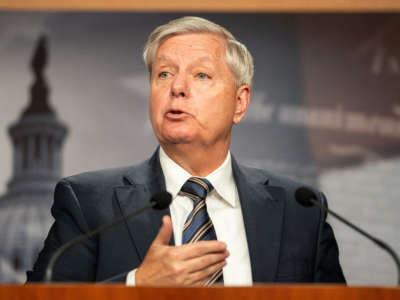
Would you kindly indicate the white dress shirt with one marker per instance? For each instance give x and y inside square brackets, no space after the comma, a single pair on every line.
[223,207]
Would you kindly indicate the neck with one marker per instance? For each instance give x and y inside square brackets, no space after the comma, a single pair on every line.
[198,161]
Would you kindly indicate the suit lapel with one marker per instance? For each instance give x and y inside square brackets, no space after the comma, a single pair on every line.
[262,209]
[144,181]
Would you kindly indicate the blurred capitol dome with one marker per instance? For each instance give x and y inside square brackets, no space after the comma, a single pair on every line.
[37,139]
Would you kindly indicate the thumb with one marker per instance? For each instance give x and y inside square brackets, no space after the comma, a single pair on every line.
[165,232]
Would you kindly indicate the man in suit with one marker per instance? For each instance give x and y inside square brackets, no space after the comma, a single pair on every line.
[249,226]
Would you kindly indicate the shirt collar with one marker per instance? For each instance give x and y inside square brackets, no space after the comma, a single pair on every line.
[221,178]
[175,176]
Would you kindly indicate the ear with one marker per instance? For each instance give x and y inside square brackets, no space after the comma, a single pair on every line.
[242,102]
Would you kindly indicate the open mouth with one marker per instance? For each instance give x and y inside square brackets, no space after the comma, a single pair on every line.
[175,112]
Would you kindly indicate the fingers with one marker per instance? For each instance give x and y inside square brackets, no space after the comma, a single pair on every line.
[202,262]
[165,232]
[199,270]
[201,277]
[193,250]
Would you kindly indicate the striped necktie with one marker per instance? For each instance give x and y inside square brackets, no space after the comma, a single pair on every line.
[198,225]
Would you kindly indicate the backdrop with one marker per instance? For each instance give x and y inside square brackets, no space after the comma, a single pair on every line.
[325,108]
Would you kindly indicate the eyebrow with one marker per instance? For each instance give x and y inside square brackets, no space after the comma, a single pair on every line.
[164,58]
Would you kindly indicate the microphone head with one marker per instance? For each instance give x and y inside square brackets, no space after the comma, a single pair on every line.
[162,200]
[303,196]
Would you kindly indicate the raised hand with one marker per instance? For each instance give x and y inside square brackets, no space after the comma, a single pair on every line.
[189,264]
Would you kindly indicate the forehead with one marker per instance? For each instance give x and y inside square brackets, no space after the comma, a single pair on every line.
[199,46]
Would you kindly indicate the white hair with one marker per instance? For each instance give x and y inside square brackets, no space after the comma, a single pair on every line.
[238,57]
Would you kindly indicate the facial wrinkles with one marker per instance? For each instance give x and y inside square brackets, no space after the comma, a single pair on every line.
[179,49]
[179,56]
[184,68]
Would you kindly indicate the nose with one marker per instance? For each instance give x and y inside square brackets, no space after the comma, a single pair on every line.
[180,87]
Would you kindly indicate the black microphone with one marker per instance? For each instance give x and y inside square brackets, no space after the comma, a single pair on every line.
[159,201]
[307,198]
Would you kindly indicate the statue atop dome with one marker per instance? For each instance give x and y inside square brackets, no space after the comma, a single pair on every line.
[39,90]
[39,58]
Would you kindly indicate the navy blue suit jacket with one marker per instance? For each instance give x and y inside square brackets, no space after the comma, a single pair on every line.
[287,242]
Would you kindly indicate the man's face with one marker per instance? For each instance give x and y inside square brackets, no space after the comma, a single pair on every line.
[193,97]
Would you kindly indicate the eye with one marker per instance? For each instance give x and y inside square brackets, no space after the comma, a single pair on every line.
[163,74]
[202,76]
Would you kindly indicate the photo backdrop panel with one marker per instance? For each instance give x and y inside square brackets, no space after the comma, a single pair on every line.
[324,111]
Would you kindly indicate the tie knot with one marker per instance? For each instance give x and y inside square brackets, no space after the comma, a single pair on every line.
[196,187]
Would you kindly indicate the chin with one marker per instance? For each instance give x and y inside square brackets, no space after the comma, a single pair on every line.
[177,136]
[178,140]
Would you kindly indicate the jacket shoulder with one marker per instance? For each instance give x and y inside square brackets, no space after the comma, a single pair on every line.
[106,178]
[257,175]
[113,176]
